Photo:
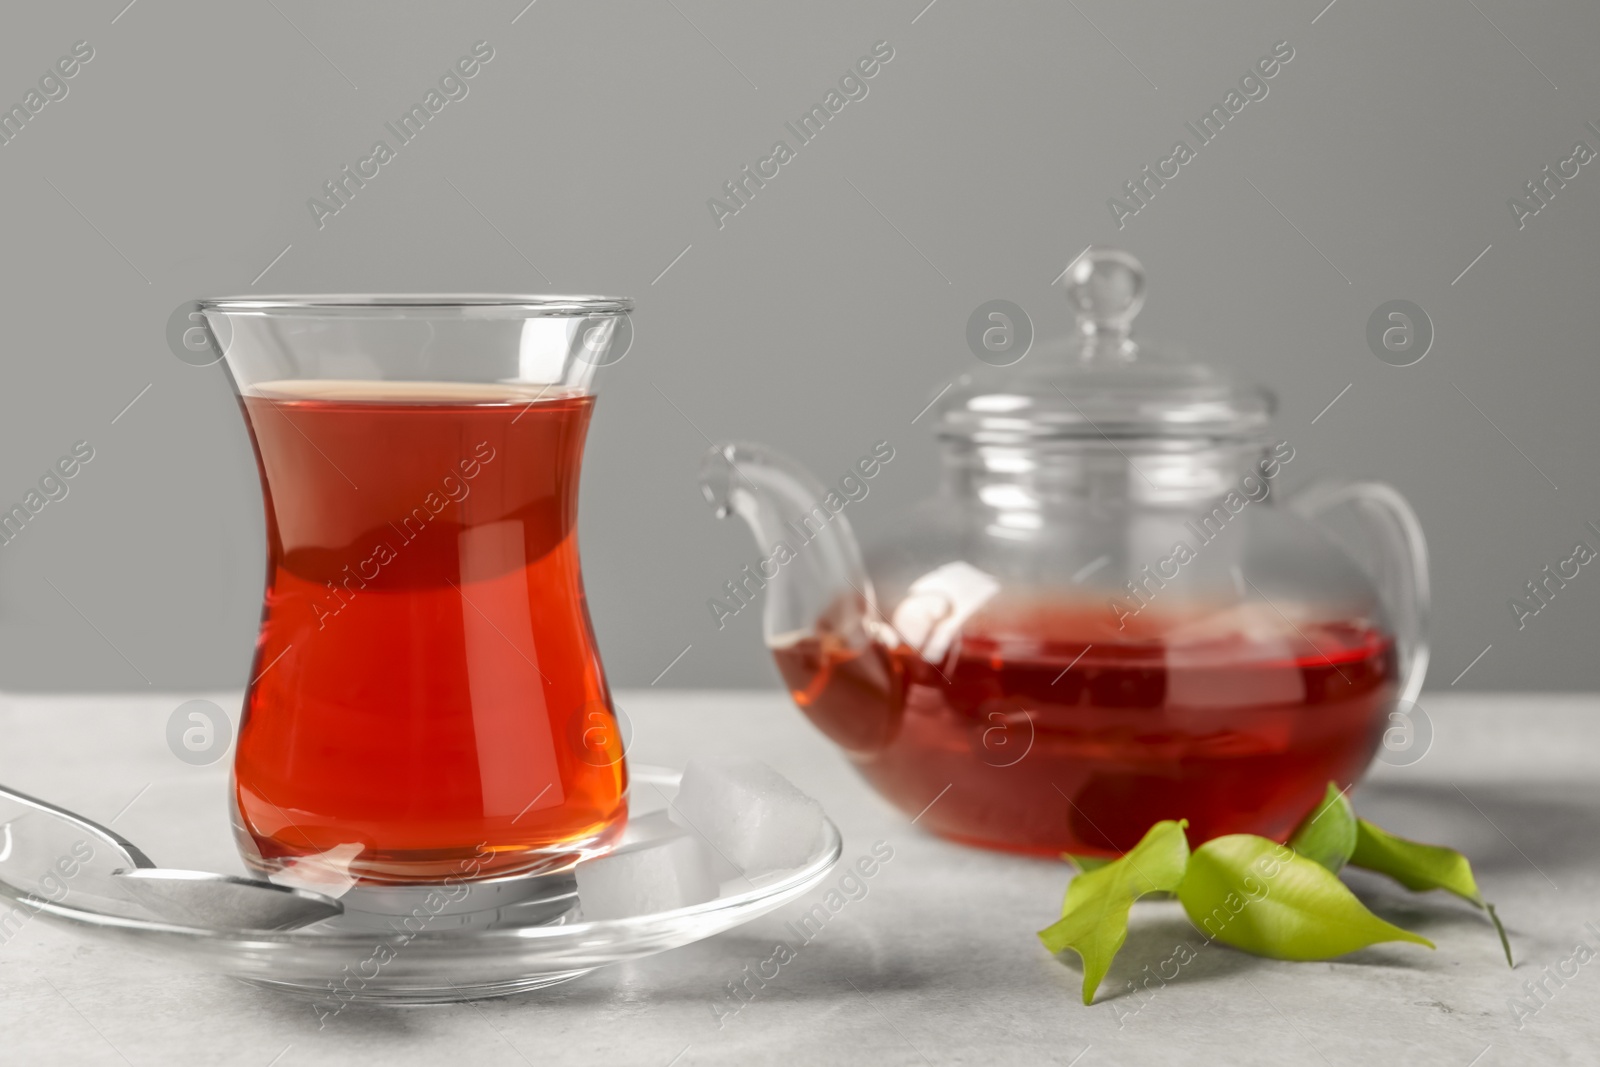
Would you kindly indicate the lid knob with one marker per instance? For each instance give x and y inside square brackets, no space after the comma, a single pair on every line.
[1106,288]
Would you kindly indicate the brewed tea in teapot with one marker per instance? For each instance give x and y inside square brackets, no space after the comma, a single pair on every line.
[1105,617]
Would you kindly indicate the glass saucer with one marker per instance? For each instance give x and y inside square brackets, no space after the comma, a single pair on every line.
[532,935]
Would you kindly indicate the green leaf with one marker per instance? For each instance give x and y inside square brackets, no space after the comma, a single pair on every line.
[1259,896]
[1414,865]
[1085,864]
[1421,867]
[1328,834]
[1094,916]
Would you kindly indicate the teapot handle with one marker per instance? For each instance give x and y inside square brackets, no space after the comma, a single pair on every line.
[1401,575]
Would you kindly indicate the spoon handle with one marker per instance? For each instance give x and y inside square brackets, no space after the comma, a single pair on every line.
[104,834]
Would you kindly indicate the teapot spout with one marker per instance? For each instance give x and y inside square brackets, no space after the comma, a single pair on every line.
[810,569]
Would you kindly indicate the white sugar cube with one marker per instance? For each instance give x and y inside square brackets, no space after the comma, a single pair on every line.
[752,815]
[651,876]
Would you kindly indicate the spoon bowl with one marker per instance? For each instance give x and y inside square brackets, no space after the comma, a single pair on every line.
[78,857]
[224,901]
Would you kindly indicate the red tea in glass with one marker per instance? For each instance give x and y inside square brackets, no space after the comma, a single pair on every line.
[426,700]
[426,661]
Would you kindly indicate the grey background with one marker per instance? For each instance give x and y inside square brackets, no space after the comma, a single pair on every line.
[826,314]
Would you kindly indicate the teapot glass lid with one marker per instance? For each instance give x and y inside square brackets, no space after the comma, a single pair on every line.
[1103,383]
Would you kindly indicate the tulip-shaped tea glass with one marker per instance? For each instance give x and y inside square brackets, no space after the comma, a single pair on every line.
[426,700]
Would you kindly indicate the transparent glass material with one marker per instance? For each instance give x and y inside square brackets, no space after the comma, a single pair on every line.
[1106,616]
[426,699]
[502,936]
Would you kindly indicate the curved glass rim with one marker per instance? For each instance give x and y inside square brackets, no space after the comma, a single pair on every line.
[526,304]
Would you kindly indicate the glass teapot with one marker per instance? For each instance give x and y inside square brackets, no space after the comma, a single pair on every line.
[1104,617]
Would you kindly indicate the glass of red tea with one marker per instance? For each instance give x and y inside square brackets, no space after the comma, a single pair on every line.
[426,700]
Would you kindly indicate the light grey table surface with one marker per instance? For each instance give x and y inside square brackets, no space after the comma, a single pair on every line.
[937,963]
